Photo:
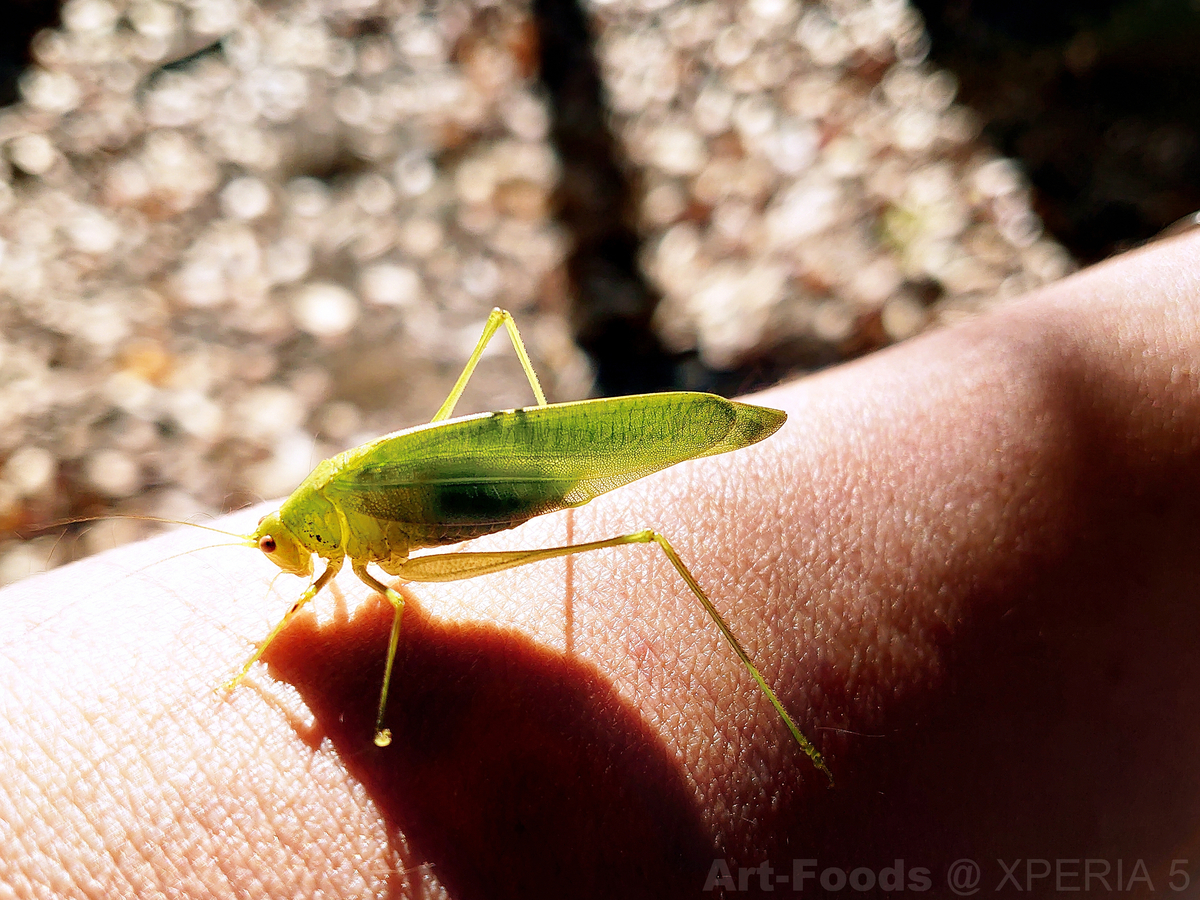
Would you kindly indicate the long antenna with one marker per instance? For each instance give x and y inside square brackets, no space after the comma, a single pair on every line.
[60,522]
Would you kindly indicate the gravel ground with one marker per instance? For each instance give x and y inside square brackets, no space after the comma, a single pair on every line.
[237,239]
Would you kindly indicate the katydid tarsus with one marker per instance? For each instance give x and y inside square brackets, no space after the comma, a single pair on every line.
[457,479]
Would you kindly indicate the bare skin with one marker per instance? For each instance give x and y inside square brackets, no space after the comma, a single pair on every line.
[970,565]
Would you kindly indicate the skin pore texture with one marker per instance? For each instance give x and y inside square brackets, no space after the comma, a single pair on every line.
[969,565]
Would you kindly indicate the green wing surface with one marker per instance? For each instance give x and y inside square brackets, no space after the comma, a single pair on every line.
[502,468]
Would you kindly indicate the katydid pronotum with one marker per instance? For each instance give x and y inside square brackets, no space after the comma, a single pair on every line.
[456,479]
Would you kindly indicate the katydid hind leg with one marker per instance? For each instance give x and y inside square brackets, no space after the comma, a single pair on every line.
[497,318]
[383,736]
[456,566]
[806,745]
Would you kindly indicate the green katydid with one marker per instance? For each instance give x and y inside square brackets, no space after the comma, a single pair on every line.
[450,481]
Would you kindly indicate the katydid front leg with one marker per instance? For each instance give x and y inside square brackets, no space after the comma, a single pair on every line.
[333,567]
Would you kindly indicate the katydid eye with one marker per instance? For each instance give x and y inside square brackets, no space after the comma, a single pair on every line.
[266,544]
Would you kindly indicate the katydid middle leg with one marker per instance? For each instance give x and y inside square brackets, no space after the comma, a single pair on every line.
[383,736]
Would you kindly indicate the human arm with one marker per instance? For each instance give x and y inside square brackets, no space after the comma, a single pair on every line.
[968,564]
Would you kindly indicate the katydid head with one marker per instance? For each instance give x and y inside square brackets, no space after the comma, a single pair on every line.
[279,545]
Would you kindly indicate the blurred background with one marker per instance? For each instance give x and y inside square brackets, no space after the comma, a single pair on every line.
[237,237]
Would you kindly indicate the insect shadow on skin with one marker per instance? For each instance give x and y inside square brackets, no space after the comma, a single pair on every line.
[515,770]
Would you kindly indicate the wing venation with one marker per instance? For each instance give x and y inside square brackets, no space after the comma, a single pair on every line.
[507,467]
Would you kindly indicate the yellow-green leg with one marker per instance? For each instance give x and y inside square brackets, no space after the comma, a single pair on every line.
[494,321]
[439,567]
[383,736]
[313,589]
